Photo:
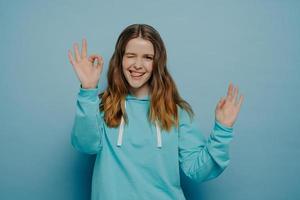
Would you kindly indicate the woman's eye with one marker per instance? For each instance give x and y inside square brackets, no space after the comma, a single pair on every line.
[150,58]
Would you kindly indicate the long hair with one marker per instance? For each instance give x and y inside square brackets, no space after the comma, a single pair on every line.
[164,96]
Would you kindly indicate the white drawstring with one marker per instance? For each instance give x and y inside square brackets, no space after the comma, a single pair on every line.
[121,131]
[158,135]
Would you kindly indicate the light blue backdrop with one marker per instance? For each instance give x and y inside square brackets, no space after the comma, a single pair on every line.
[255,44]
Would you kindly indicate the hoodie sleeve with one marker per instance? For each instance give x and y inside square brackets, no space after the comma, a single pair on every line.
[203,159]
[87,131]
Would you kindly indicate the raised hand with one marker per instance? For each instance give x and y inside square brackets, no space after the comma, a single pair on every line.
[88,69]
[228,107]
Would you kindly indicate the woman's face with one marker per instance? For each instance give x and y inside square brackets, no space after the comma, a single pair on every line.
[137,64]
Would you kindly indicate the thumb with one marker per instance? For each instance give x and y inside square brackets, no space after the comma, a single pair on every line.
[221,103]
[96,62]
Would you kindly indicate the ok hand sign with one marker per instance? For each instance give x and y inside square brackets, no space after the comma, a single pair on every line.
[88,69]
[228,107]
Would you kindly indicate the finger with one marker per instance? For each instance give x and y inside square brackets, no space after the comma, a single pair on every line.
[84,48]
[96,63]
[221,102]
[240,101]
[77,55]
[235,95]
[71,59]
[99,62]
[92,58]
[229,91]
[99,59]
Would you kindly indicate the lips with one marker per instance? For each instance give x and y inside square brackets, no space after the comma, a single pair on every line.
[135,74]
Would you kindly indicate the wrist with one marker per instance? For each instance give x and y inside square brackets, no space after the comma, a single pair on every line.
[224,124]
[88,87]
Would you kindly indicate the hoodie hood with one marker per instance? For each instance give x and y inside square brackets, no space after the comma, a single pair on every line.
[145,99]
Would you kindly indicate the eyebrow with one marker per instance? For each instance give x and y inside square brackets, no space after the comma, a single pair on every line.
[129,53]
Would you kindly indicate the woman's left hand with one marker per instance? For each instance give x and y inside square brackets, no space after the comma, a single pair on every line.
[228,107]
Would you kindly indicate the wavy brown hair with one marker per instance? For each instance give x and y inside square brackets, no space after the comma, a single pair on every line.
[164,96]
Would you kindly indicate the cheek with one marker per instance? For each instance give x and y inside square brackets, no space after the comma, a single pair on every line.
[149,67]
[124,67]
[124,64]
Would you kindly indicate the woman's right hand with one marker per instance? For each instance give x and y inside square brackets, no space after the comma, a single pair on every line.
[88,69]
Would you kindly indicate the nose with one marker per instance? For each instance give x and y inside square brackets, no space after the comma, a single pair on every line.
[138,63]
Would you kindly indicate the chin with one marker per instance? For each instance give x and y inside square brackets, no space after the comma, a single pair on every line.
[136,85]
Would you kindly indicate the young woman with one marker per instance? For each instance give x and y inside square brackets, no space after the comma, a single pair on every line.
[140,128]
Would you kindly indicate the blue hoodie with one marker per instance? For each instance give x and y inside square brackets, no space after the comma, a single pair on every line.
[138,160]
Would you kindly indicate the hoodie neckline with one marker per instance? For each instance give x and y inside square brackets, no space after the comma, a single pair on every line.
[143,100]
[132,97]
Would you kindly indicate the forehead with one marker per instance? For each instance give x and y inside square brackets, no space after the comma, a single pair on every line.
[139,45]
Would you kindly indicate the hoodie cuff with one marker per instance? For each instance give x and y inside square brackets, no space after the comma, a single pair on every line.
[222,132]
[88,94]
[222,127]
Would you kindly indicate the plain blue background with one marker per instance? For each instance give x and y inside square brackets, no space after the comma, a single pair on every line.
[255,44]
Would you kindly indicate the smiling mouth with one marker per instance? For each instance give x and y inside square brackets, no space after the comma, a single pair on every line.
[136,74]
